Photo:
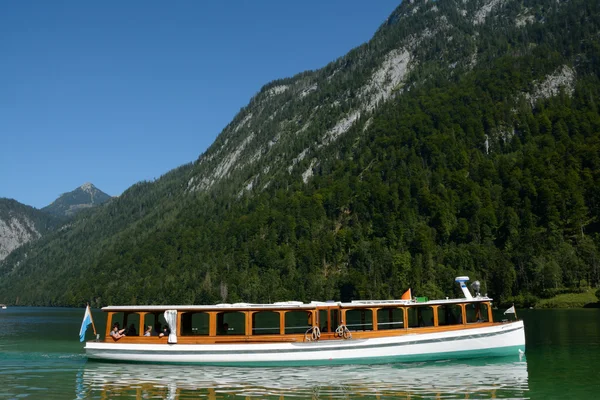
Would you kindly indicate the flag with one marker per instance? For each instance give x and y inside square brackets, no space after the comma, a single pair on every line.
[510,310]
[406,295]
[87,320]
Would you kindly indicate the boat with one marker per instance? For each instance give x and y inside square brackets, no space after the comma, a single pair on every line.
[3,306]
[317,333]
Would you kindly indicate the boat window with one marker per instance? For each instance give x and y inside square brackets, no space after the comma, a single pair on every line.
[231,323]
[477,312]
[194,323]
[335,319]
[323,321]
[419,317]
[297,321]
[118,318]
[450,314]
[132,324]
[129,321]
[390,318]
[265,323]
[156,321]
[359,320]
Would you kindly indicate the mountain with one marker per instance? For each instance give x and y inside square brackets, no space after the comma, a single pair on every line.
[84,197]
[21,224]
[462,139]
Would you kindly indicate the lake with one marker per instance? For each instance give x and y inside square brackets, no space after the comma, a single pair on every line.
[41,358]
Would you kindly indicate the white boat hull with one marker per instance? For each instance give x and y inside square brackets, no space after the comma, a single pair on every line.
[497,340]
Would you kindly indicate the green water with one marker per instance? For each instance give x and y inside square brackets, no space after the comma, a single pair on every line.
[41,358]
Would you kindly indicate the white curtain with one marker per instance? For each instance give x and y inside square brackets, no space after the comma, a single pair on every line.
[171,318]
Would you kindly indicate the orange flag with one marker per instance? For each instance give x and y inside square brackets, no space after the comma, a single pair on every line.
[406,295]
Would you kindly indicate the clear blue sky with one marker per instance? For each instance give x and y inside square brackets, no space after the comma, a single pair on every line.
[116,92]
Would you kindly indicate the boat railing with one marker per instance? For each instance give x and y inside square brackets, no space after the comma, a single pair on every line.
[362,327]
[382,302]
[266,330]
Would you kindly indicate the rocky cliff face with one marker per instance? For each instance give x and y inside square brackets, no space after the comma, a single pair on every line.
[14,232]
[21,224]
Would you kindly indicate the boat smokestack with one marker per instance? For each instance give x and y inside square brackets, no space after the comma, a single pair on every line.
[461,281]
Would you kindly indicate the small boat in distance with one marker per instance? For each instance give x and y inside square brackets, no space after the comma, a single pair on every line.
[3,306]
[317,333]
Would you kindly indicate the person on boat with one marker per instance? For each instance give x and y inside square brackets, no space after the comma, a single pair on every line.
[131,331]
[148,331]
[117,333]
[224,329]
[165,332]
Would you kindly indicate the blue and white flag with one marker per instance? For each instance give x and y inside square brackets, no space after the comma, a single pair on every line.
[87,320]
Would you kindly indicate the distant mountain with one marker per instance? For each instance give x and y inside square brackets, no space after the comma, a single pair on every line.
[84,197]
[21,224]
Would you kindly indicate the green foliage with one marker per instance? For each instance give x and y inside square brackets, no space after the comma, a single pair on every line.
[569,300]
[459,175]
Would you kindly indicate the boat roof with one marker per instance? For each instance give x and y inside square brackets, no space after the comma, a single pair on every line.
[295,305]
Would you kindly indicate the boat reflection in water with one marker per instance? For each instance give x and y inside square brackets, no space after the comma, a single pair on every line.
[482,379]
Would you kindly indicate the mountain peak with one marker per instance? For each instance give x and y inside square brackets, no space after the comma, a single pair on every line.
[88,187]
[85,196]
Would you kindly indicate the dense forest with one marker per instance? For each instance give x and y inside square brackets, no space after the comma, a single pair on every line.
[463,172]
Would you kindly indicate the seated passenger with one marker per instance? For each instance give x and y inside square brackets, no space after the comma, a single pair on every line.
[224,329]
[131,331]
[148,331]
[117,333]
[165,332]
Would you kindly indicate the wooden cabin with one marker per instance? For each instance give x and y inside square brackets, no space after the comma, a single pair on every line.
[298,322]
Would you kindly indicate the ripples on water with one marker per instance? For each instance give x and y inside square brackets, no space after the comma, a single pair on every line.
[70,376]
[430,380]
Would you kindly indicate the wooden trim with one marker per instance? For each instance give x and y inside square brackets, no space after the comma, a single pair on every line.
[108,325]
[178,333]
[212,323]
[281,322]
[142,327]
[490,313]
[250,322]
[374,318]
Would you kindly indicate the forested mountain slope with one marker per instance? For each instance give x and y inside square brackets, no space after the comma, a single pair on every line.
[463,138]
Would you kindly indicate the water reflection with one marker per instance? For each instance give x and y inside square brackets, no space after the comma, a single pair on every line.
[500,378]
